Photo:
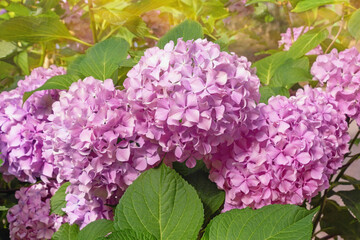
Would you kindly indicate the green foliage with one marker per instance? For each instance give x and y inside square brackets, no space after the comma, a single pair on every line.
[101,60]
[57,82]
[354,24]
[285,222]
[352,201]
[305,5]
[22,61]
[307,42]
[66,232]
[291,72]
[161,203]
[187,30]
[266,67]
[57,201]
[6,48]
[211,197]
[96,229]
[128,234]
[338,220]
[33,29]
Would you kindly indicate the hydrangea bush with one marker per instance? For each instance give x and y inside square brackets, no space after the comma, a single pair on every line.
[185,139]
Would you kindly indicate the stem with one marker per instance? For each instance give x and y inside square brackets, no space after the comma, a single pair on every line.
[345,167]
[92,21]
[354,139]
[43,53]
[80,41]
[337,34]
[286,10]
[318,215]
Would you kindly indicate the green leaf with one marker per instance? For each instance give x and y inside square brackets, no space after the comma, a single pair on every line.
[291,72]
[184,170]
[268,91]
[57,82]
[211,197]
[103,58]
[128,234]
[186,30]
[57,201]
[6,48]
[5,69]
[22,61]
[33,29]
[3,208]
[307,42]
[18,9]
[66,232]
[338,220]
[74,67]
[352,201]
[160,202]
[354,24]
[305,5]
[266,67]
[98,228]
[285,222]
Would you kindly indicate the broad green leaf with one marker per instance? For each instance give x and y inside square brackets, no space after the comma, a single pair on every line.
[98,228]
[6,48]
[137,26]
[211,197]
[305,5]
[291,72]
[128,234]
[307,42]
[337,220]
[57,201]
[48,4]
[352,201]
[354,24]
[162,203]
[286,222]
[103,58]
[266,67]
[6,69]
[18,8]
[22,61]
[66,232]
[268,91]
[186,30]
[61,82]
[74,67]
[184,170]
[33,29]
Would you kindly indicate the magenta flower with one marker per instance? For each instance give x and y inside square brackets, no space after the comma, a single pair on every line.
[30,218]
[91,139]
[298,144]
[189,97]
[341,73]
[21,127]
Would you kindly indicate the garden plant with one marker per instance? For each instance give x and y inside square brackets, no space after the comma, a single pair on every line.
[179,119]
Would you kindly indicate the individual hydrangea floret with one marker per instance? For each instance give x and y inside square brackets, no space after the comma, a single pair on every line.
[299,143]
[21,127]
[190,97]
[341,73]
[287,41]
[83,208]
[31,218]
[91,140]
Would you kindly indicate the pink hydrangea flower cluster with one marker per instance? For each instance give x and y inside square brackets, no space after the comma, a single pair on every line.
[91,139]
[287,40]
[21,127]
[30,218]
[190,97]
[341,73]
[299,143]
